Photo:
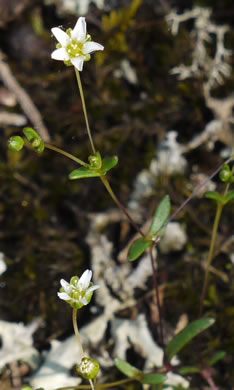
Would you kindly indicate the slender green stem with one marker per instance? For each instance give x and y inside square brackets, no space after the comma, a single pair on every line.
[211,250]
[116,200]
[75,326]
[99,386]
[66,154]
[117,383]
[197,189]
[91,384]
[85,111]
[103,178]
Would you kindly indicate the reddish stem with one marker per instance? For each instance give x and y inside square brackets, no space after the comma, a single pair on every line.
[156,288]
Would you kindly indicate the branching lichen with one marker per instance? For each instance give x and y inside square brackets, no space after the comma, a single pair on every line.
[215,67]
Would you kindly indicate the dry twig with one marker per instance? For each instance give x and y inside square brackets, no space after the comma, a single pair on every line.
[23,98]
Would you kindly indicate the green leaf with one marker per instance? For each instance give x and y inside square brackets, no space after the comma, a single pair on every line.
[109,163]
[186,335]
[153,379]
[189,370]
[34,139]
[82,173]
[138,247]
[218,356]
[161,215]
[16,143]
[215,196]
[129,370]
[229,196]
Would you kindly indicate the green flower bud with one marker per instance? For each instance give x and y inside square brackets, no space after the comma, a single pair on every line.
[88,368]
[225,174]
[34,139]
[95,161]
[26,388]
[16,143]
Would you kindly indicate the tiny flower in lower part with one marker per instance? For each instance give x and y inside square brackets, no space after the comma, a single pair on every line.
[75,46]
[79,291]
[88,368]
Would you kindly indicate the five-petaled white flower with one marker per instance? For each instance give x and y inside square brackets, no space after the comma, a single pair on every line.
[74,46]
[79,291]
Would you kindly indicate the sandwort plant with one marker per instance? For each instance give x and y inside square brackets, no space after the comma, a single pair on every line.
[74,48]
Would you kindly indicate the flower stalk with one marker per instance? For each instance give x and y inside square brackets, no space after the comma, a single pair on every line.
[212,250]
[66,154]
[84,110]
[76,330]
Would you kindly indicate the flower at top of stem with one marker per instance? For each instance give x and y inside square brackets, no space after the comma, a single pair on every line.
[79,291]
[75,46]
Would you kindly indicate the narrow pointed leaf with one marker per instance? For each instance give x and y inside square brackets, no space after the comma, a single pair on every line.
[218,356]
[215,196]
[82,173]
[16,143]
[161,215]
[229,196]
[189,370]
[129,370]
[153,379]
[109,163]
[186,335]
[137,248]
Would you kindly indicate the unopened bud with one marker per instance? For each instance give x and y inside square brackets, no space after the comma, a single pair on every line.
[88,368]
[225,174]
[16,143]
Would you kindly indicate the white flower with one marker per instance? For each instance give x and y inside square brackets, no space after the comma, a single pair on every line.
[79,291]
[75,45]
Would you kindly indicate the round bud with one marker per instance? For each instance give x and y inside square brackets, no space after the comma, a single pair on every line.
[26,388]
[95,161]
[225,174]
[88,368]
[16,143]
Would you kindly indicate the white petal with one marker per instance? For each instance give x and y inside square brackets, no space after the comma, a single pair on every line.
[79,31]
[84,280]
[64,296]
[90,47]
[61,36]
[78,62]
[60,54]
[84,301]
[64,284]
[95,287]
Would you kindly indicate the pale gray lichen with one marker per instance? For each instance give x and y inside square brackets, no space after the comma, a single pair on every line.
[215,67]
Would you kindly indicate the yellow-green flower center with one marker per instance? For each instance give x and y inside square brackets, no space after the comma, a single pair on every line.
[75,48]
